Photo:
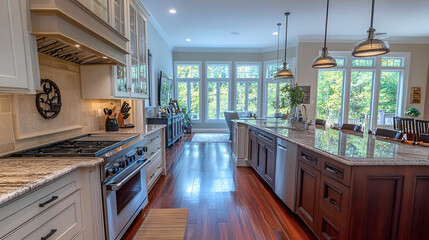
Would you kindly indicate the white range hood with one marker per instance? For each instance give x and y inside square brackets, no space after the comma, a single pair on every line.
[67,30]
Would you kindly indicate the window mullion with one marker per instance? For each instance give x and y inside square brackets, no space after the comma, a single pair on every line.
[346,94]
[375,95]
[246,96]
[218,100]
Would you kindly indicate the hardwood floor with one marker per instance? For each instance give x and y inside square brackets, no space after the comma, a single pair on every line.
[224,202]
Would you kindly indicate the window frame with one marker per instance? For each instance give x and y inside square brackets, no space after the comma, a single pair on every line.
[247,81]
[402,96]
[188,85]
[267,81]
[218,81]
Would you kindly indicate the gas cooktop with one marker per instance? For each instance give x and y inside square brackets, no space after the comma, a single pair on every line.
[90,145]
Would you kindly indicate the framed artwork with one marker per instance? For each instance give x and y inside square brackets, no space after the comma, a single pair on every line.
[416,95]
[176,106]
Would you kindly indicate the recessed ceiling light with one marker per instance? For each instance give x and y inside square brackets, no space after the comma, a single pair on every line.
[172,11]
[188,39]
[275,33]
[77,45]
[104,57]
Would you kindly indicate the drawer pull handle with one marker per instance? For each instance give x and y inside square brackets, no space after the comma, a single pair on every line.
[53,198]
[334,171]
[309,158]
[52,232]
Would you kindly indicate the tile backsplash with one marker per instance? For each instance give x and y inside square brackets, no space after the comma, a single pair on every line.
[21,124]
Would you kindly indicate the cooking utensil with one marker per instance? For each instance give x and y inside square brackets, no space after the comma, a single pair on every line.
[126,115]
[106,110]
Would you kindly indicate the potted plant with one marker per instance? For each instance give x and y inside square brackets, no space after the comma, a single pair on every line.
[187,122]
[412,112]
[292,96]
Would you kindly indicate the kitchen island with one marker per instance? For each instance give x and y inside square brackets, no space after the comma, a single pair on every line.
[348,185]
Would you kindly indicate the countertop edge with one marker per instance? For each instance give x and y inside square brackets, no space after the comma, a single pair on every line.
[12,195]
[338,158]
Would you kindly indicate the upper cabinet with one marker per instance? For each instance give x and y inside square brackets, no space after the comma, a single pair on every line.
[18,60]
[138,56]
[130,80]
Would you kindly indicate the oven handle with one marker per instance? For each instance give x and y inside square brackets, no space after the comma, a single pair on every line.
[117,185]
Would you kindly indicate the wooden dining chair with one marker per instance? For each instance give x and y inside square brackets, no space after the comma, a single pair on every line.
[407,126]
[422,128]
[396,123]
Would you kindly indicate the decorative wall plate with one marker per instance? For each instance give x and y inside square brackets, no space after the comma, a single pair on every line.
[48,102]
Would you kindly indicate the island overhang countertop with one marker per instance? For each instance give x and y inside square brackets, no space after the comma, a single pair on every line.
[346,147]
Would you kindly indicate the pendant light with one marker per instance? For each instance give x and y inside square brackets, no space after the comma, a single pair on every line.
[284,73]
[324,60]
[278,46]
[371,46]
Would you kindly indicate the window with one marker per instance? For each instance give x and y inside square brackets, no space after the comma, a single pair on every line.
[247,87]
[366,92]
[273,90]
[218,82]
[188,87]
[330,95]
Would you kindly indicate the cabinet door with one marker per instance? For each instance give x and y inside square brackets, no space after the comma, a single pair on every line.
[254,149]
[262,158]
[122,88]
[138,56]
[15,62]
[307,203]
[270,167]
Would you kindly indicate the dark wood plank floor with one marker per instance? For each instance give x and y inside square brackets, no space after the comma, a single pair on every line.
[224,202]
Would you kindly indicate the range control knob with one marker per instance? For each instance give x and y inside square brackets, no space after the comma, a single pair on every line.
[111,171]
[141,150]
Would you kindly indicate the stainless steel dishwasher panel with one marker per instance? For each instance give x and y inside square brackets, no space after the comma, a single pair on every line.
[286,172]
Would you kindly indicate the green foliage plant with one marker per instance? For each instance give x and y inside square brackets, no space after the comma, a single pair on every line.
[412,112]
[292,96]
[187,118]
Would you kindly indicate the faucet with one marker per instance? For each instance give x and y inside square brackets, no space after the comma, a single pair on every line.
[304,117]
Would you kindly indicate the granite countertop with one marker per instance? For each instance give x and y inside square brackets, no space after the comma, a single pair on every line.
[347,147]
[19,176]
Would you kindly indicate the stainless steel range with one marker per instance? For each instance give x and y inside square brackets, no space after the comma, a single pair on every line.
[123,173]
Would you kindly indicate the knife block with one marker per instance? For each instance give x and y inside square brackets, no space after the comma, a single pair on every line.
[122,122]
[111,124]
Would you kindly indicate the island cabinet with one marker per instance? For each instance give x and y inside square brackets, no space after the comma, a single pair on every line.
[262,154]
[339,201]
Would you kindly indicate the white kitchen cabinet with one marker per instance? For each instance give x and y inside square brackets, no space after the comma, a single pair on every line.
[69,207]
[130,81]
[18,60]
[104,82]
[138,52]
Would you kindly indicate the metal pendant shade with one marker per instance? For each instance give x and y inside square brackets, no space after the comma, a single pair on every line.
[324,60]
[284,73]
[371,46]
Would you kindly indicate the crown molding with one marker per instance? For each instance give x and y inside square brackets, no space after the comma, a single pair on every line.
[353,39]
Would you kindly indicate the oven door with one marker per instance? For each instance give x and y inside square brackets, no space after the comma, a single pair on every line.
[125,196]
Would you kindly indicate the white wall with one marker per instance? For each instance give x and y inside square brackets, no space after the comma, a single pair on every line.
[230,56]
[418,77]
[162,59]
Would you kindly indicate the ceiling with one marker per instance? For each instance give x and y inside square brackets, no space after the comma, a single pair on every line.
[212,23]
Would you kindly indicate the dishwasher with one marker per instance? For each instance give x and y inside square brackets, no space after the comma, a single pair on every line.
[286,172]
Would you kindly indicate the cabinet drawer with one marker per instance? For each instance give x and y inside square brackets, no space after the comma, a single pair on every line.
[153,170]
[16,213]
[329,228]
[153,144]
[336,170]
[334,198]
[62,221]
[310,157]
[266,138]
